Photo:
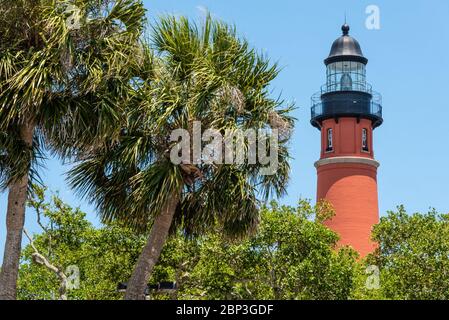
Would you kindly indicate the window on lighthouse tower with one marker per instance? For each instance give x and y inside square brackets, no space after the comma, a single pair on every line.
[330,146]
[365,140]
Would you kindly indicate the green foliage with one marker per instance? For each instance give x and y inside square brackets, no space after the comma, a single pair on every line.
[104,256]
[199,73]
[68,84]
[66,71]
[413,255]
[290,257]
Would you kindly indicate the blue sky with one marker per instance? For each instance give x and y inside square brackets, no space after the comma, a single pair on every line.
[408,65]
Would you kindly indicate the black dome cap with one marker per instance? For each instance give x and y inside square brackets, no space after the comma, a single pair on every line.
[346,48]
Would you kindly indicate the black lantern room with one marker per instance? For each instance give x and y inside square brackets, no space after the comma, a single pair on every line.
[346,92]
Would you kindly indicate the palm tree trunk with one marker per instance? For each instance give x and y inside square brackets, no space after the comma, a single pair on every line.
[150,254]
[15,219]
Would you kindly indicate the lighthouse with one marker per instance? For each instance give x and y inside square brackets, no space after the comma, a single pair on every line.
[346,111]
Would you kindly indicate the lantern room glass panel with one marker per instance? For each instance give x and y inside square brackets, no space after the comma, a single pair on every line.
[346,76]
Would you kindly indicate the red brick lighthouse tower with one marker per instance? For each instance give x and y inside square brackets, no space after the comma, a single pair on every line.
[346,111]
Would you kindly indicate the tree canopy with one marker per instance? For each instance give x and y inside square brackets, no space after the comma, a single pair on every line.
[291,256]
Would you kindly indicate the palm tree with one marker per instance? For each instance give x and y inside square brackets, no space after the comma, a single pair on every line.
[205,74]
[63,72]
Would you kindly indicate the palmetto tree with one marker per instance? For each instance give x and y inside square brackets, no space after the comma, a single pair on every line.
[204,74]
[65,67]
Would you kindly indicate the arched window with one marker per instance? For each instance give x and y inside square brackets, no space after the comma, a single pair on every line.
[365,140]
[330,144]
